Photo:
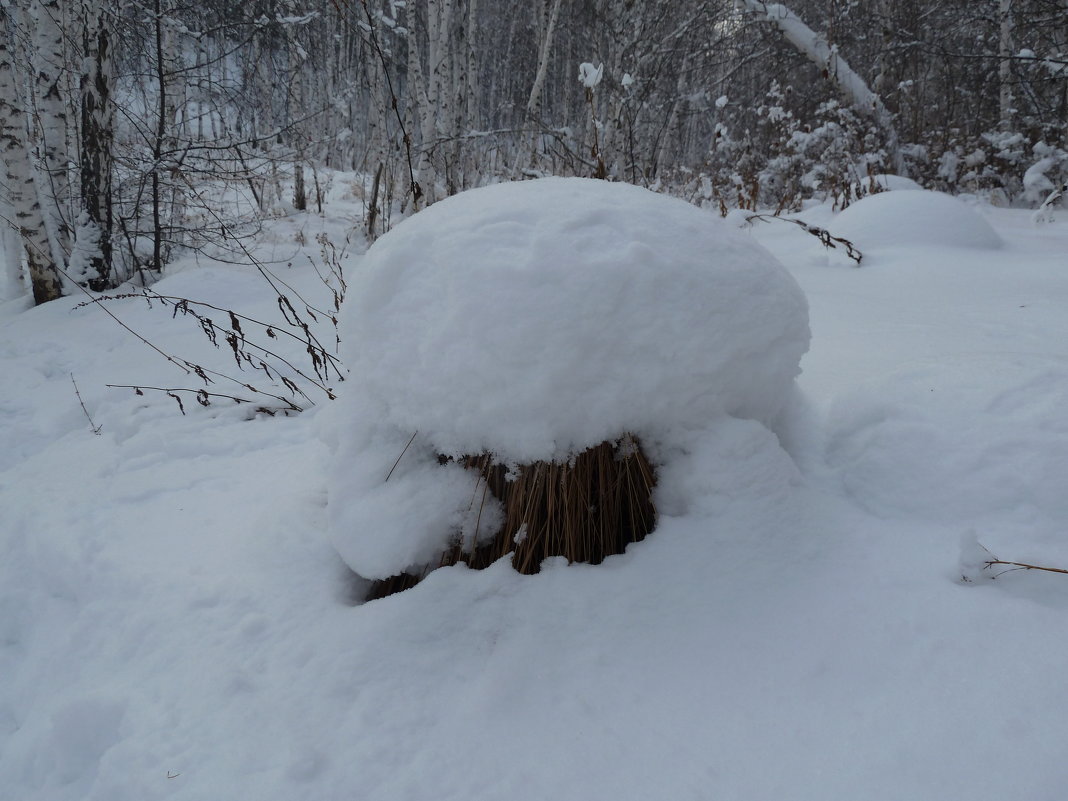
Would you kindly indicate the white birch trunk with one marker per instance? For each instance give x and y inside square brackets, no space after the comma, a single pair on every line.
[11,285]
[97,135]
[1064,102]
[1006,100]
[444,101]
[672,130]
[46,17]
[377,119]
[534,103]
[419,114]
[471,110]
[21,186]
[432,124]
[536,90]
[883,8]
[297,106]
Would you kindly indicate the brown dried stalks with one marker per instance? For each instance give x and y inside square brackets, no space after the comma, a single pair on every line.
[584,509]
[826,238]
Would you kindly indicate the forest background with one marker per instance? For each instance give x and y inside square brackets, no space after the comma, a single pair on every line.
[134,131]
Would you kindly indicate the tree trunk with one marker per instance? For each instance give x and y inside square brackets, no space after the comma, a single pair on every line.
[21,186]
[97,136]
[296,106]
[1006,112]
[47,19]
[300,195]
[418,107]
[536,90]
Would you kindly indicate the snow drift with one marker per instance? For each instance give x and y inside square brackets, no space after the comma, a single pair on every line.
[533,321]
[905,217]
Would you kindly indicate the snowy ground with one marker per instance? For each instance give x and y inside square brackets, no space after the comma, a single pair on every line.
[175,624]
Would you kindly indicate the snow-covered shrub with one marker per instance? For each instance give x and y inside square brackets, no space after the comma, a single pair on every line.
[910,217]
[1046,213]
[1005,164]
[840,153]
[532,322]
[734,171]
[780,179]
[1047,174]
[1007,167]
[829,153]
[882,182]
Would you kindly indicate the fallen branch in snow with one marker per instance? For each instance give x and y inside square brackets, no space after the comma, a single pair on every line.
[826,238]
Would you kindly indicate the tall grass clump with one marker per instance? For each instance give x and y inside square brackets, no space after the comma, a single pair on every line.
[584,509]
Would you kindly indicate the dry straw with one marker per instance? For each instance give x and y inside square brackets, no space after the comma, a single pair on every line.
[589,507]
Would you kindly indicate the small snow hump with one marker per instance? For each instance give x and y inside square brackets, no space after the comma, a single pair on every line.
[914,217]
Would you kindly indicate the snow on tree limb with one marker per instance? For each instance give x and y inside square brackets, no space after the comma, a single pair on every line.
[815,47]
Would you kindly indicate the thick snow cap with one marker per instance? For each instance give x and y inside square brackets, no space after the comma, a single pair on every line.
[536,319]
[892,219]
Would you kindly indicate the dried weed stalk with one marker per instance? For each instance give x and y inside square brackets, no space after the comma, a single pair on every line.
[826,238]
[285,386]
[1010,567]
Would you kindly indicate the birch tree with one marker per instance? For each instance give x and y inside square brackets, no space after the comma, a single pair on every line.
[1006,100]
[21,186]
[46,19]
[97,136]
[547,19]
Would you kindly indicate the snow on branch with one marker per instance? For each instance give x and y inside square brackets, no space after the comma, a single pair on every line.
[815,47]
[589,75]
[1044,213]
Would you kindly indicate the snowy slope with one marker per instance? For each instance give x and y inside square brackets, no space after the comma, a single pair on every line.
[175,624]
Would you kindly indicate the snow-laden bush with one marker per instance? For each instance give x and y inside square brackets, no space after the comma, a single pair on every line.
[884,182]
[533,321]
[909,217]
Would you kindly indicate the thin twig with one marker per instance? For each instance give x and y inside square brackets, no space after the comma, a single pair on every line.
[1020,566]
[401,455]
[97,301]
[92,426]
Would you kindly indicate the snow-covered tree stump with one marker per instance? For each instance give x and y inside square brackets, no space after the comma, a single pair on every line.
[524,358]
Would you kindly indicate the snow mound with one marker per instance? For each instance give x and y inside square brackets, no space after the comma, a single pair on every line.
[534,320]
[909,217]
